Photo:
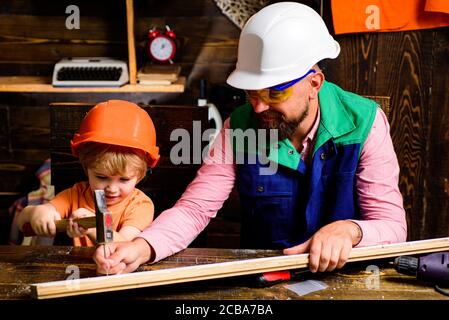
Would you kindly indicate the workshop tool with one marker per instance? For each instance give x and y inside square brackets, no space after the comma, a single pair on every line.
[105,233]
[61,225]
[268,279]
[432,268]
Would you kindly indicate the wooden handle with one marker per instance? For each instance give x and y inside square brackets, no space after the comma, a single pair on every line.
[61,225]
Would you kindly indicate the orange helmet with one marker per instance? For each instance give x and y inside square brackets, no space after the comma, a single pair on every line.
[120,123]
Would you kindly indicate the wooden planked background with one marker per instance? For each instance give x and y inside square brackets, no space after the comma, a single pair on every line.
[410,67]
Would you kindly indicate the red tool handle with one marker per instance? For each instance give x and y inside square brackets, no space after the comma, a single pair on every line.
[269,279]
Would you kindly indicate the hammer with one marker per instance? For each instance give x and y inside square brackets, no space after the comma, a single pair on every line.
[102,221]
[103,217]
[61,225]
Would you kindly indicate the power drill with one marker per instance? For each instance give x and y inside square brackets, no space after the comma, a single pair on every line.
[433,268]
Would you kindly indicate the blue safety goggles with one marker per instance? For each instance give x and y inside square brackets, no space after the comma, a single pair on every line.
[286,85]
[278,93]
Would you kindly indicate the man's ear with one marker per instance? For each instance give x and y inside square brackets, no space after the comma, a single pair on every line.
[316,81]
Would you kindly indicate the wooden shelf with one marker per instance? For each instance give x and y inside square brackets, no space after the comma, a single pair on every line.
[43,84]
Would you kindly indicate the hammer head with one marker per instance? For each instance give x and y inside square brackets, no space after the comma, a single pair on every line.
[103,218]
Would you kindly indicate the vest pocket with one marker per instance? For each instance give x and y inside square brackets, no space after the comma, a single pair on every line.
[268,208]
[268,220]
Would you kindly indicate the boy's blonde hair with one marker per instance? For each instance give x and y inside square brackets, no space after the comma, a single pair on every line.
[114,160]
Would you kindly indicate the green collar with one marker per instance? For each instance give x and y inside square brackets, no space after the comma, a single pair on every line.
[334,120]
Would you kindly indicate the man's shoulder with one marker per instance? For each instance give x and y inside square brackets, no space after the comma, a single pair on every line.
[349,99]
[347,116]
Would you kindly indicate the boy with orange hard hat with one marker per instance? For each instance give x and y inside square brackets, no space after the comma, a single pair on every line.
[115,143]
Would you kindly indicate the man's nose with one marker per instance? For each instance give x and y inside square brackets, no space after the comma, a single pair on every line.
[260,106]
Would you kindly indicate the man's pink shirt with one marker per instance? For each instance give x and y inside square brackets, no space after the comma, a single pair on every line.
[382,218]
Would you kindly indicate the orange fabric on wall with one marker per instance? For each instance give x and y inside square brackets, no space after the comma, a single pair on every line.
[351,16]
[437,6]
[137,210]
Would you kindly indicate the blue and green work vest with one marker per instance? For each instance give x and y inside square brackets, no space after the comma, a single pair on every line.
[287,207]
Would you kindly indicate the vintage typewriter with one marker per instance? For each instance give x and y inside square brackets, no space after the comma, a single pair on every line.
[90,72]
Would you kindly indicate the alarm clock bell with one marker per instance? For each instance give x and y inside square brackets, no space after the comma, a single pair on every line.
[161,47]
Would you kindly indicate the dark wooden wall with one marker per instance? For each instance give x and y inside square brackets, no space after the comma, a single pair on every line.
[410,67]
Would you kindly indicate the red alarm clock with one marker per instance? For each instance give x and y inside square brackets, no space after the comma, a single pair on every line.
[161,47]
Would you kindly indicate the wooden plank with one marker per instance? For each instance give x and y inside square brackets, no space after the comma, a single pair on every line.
[32,68]
[112,9]
[437,194]
[196,31]
[4,128]
[177,8]
[29,127]
[53,52]
[24,265]
[35,29]
[131,43]
[39,84]
[50,40]
[221,270]
[410,55]
[18,176]
[353,69]
[384,103]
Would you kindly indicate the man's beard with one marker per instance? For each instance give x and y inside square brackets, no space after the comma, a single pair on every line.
[286,128]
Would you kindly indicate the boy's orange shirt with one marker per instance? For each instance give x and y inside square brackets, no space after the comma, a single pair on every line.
[137,210]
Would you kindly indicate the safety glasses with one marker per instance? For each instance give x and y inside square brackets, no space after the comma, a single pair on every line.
[278,93]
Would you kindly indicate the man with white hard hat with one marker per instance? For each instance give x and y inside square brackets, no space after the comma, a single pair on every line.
[336,180]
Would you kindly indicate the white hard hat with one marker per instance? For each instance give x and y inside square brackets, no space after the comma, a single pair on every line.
[280,43]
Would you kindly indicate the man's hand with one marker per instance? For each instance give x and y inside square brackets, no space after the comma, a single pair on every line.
[330,246]
[122,257]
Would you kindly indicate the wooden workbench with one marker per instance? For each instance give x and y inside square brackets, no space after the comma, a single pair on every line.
[22,265]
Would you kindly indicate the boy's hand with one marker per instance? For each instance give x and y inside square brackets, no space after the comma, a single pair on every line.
[43,221]
[73,229]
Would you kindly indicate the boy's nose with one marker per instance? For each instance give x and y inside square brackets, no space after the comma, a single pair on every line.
[111,187]
[260,106]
